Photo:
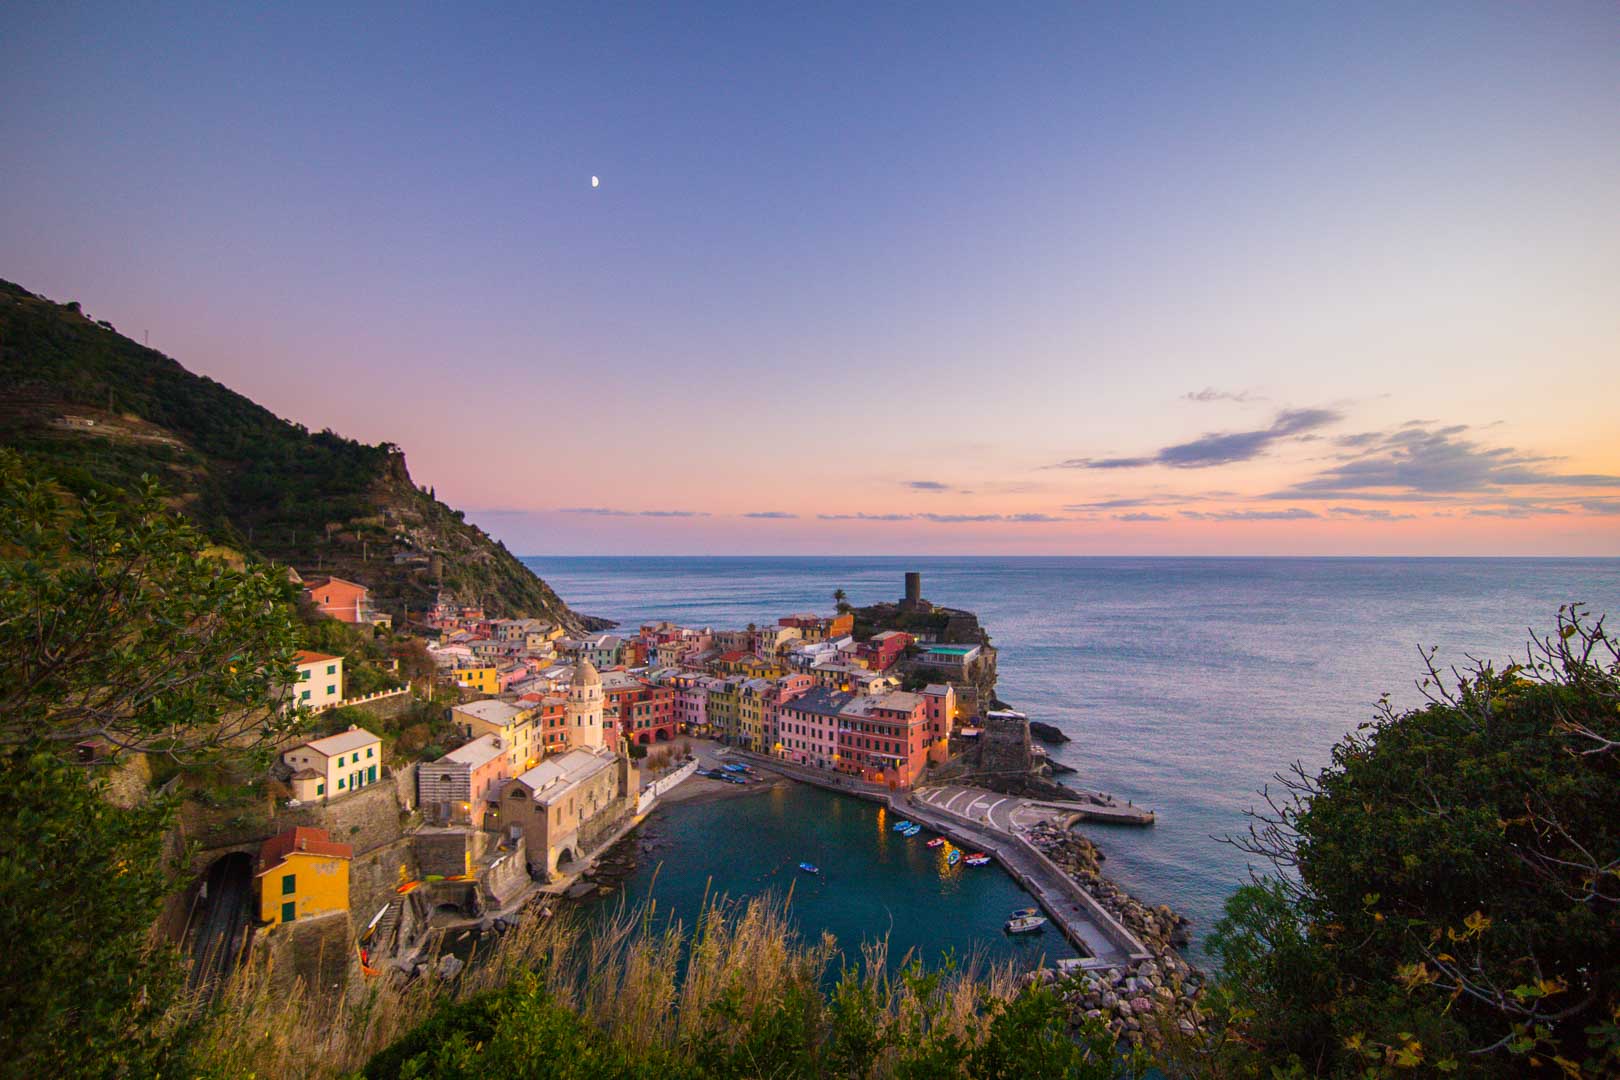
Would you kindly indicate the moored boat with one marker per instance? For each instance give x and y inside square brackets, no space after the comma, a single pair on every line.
[901,826]
[953,858]
[978,858]
[1024,913]
[913,831]
[937,841]
[1028,924]
[810,868]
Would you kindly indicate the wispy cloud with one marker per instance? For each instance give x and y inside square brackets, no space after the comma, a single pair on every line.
[1209,393]
[1514,511]
[609,511]
[1601,506]
[772,515]
[864,517]
[1418,461]
[949,519]
[933,486]
[1140,515]
[1296,513]
[1371,515]
[1219,448]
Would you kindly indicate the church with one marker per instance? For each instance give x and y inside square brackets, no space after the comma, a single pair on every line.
[566,805]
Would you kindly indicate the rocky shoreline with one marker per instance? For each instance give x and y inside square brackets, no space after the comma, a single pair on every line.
[1143,997]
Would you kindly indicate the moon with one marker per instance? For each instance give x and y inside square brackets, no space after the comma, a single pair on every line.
[595,182]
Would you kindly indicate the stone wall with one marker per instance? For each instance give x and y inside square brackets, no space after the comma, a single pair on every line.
[366,820]
[442,852]
[318,952]
[375,876]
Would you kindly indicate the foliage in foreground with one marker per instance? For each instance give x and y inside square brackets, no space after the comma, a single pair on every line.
[1449,901]
[737,996]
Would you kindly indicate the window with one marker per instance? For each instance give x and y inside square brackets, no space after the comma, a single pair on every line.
[371,775]
[331,689]
[304,696]
[331,669]
[371,751]
[288,885]
[340,783]
[340,761]
[289,911]
[304,675]
[320,789]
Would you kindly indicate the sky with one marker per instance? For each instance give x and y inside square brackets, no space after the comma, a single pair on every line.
[1161,278]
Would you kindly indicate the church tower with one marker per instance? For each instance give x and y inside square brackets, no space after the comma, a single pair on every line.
[582,716]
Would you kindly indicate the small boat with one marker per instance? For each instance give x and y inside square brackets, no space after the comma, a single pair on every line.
[734,767]
[913,831]
[978,858]
[1024,913]
[810,868]
[953,858]
[937,841]
[1028,924]
[901,826]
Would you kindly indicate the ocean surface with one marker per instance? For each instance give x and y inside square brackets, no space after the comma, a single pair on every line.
[1183,683]
[873,882]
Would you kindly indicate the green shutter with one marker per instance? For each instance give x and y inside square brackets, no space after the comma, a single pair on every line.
[288,885]
[289,911]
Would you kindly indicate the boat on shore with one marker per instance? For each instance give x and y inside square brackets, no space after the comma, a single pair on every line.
[1027,924]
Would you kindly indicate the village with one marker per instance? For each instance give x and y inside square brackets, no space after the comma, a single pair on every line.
[555,745]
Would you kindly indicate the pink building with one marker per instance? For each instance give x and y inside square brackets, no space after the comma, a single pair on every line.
[783,690]
[458,788]
[691,701]
[807,727]
[939,705]
[883,739]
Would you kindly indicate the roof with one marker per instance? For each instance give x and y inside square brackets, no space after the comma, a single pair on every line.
[889,634]
[822,701]
[480,751]
[490,710]
[586,674]
[734,655]
[308,774]
[299,838]
[898,701]
[317,582]
[557,775]
[304,656]
[343,741]
[935,689]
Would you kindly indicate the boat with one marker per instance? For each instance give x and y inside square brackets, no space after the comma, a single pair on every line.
[953,858]
[810,868]
[901,826]
[1028,924]
[734,767]
[936,841]
[1024,913]
[913,831]
[978,858]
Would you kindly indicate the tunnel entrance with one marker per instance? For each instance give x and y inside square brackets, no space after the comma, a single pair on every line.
[221,920]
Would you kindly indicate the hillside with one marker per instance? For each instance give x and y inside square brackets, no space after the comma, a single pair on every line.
[95,409]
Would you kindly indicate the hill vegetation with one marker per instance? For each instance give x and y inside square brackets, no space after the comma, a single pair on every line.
[95,410]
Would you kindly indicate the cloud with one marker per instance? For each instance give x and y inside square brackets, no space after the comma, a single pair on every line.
[1133,501]
[948,519]
[1293,514]
[1514,511]
[952,519]
[1374,515]
[927,485]
[1416,461]
[609,511]
[864,517]
[1036,519]
[1209,393]
[1140,516]
[771,515]
[1220,448]
[1601,506]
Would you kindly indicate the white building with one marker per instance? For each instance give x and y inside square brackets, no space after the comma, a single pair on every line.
[320,680]
[336,765]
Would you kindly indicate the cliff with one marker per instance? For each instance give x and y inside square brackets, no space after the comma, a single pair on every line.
[97,410]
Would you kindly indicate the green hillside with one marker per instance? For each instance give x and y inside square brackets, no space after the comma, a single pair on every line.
[96,410]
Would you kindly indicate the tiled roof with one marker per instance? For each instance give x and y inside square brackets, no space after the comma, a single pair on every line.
[343,741]
[304,656]
[300,838]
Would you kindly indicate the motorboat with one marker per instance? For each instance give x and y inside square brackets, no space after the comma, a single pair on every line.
[901,826]
[1024,913]
[938,841]
[953,858]
[913,831]
[978,858]
[1027,924]
[810,868]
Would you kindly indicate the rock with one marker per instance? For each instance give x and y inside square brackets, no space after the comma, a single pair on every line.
[1046,733]
[450,966]
[1141,1006]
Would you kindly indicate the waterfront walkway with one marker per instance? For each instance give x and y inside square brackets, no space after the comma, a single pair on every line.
[1010,813]
[1092,930]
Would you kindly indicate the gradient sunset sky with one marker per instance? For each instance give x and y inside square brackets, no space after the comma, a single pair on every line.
[1166,278]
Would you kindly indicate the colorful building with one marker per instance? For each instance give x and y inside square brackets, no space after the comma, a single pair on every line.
[883,738]
[302,873]
[320,680]
[512,724]
[882,650]
[336,765]
[476,675]
[345,601]
[458,788]
[807,727]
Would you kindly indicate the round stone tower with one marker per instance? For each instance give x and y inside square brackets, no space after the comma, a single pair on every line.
[583,714]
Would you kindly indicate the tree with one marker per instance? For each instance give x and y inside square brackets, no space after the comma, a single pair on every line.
[841,601]
[1449,887]
[118,622]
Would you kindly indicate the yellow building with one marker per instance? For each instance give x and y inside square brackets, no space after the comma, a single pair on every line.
[336,765]
[481,677]
[514,725]
[723,707]
[302,873]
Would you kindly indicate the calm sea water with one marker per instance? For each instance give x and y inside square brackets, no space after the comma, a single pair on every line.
[1184,683]
[874,883]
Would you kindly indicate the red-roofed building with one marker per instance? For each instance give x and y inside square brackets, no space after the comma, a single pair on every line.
[302,872]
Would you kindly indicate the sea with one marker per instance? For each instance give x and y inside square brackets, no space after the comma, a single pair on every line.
[1184,684]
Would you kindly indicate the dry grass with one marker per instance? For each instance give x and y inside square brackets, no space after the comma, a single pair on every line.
[644,982]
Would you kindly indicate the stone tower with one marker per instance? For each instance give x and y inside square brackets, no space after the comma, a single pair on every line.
[583,714]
